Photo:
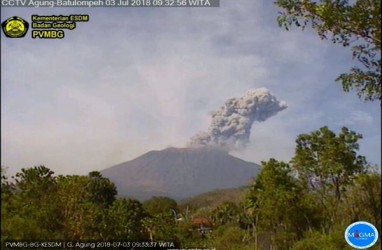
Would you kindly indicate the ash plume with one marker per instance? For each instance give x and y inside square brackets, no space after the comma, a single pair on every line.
[230,126]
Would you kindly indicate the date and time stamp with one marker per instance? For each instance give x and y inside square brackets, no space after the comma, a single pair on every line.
[168,245]
[89,245]
[161,3]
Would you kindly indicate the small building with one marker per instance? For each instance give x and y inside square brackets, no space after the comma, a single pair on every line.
[202,225]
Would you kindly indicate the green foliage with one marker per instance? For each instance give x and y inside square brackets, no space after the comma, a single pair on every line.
[39,205]
[302,205]
[6,186]
[326,162]
[161,222]
[29,206]
[73,203]
[364,202]
[161,205]
[307,204]
[100,190]
[356,23]
[226,213]
[274,200]
[35,183]
[214,199]
[124,220]
[227,238]
[314,240]
[83,200]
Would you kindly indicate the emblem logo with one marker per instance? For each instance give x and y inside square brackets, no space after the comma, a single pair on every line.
[361,235]
[15,27]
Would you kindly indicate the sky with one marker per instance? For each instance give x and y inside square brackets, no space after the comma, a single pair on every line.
[133,80]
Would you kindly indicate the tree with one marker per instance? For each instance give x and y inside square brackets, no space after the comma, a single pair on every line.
[124,221]
[161,220]
[77,212]
[308,203]
[35,183]
[365,193]
[227,212]
[350,23]
[326,164]
[228,237]
[6,186]
[100,190]
[7,190]
[324,160]
[275,197]
[161,205]
[83,201]
[314,240]
[29,210]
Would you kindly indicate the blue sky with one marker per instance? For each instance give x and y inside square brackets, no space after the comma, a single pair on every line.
[138,79]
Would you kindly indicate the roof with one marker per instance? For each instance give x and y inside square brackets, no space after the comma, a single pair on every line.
[201,221]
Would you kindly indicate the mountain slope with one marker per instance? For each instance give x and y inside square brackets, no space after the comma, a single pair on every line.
[214,199]
[180,173]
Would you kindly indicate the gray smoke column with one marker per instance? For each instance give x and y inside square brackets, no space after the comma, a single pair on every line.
[230,126]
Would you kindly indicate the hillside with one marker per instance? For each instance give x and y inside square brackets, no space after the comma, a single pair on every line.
[214,199]
[180,173]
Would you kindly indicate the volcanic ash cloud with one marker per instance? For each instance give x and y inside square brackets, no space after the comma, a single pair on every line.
[230,126]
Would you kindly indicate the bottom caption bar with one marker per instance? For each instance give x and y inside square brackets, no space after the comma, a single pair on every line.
[89,245]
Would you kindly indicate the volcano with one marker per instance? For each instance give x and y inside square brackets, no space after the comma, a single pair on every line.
[180,173]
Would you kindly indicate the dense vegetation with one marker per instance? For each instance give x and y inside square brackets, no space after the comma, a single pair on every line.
[350,23]
[303,204]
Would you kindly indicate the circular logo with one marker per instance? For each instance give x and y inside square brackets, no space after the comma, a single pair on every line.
[361,235]
[15,27]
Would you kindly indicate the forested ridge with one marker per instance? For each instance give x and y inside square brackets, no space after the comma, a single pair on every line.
[303,204]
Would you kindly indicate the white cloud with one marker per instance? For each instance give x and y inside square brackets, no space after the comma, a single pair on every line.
[357,117]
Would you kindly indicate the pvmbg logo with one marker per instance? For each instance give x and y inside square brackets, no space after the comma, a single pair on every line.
[15,27]
[361,235]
